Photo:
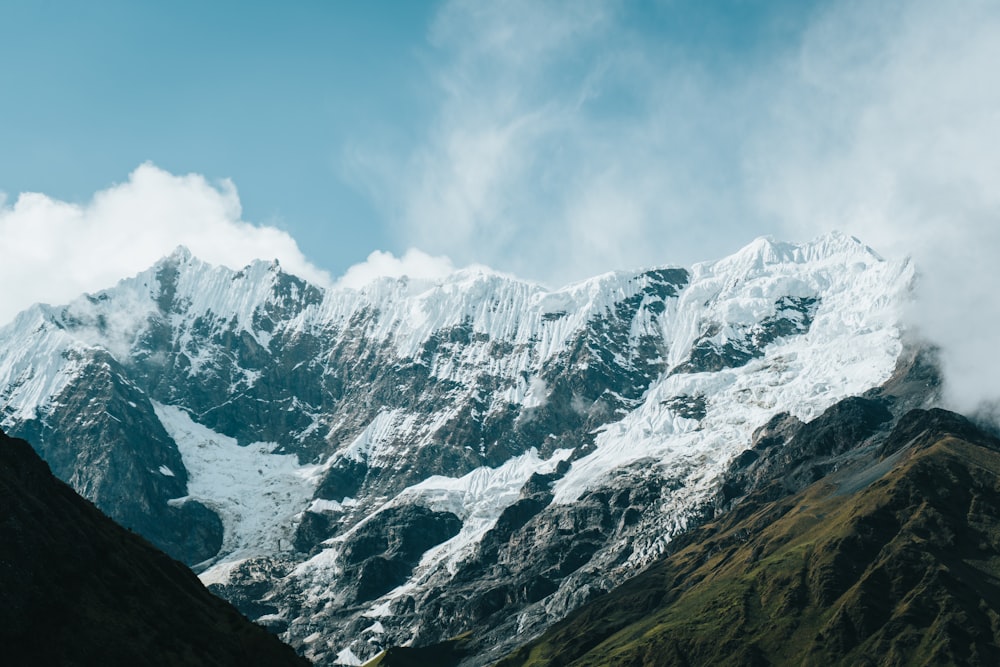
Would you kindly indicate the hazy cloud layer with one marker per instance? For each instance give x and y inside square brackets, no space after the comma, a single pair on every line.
[889,127]
[566,143]
[54,250]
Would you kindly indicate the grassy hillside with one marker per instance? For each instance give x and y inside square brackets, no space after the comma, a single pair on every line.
[76,589]
[894,563]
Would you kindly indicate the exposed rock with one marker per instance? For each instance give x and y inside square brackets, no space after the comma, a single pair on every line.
[887,564]
[715,350]
[382,553]
[108,444]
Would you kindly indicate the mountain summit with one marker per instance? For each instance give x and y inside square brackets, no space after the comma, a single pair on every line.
[403,461]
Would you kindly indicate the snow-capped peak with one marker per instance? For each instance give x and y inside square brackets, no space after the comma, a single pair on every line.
[461,393]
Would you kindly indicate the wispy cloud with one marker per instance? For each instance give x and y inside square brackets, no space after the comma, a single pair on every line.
[888,126]
[54,250]
[566,139]
[567,143]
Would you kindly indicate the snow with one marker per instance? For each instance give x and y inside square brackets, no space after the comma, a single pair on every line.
[375,628]
[484,491]
[37,363]
[478,499]
[221,573]
[851,346]
[257,493]
[347,657]
[381,610]
[375,443]
[322,505]
[494,305]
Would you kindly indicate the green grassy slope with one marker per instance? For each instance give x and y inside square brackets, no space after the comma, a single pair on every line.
[898,564]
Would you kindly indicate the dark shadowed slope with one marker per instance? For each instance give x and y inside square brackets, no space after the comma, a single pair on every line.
[77,589]
[896,562]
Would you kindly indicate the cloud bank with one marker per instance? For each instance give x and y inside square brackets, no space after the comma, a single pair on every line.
[567,141]
[888,126]
[54,250]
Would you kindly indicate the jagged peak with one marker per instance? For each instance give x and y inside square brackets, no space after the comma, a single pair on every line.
[400,279]
[182,258]
[258,269]
[478,272]
[835,243]
[760,252]
[439,298]
[766,251]
[181,254]
[381,389]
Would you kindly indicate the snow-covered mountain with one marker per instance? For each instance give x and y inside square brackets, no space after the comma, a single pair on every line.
[399,463]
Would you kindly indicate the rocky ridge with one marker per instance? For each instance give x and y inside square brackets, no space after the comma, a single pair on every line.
[892,559]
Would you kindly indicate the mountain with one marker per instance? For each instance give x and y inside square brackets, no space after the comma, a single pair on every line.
[77,589]
[408,461]
[893,559]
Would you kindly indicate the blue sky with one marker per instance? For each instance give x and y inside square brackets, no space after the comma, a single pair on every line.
[553,139]
[265,94]
[296,102]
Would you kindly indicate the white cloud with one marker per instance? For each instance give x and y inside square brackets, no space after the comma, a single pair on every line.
[54,250]
[564,145]
[888,126]
[414,264]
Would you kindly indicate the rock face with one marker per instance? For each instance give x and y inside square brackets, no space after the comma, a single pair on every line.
[123,442]
[77,589]
[401,463]
[887,561]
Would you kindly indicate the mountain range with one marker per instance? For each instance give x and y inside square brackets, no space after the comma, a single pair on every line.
[478,456]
